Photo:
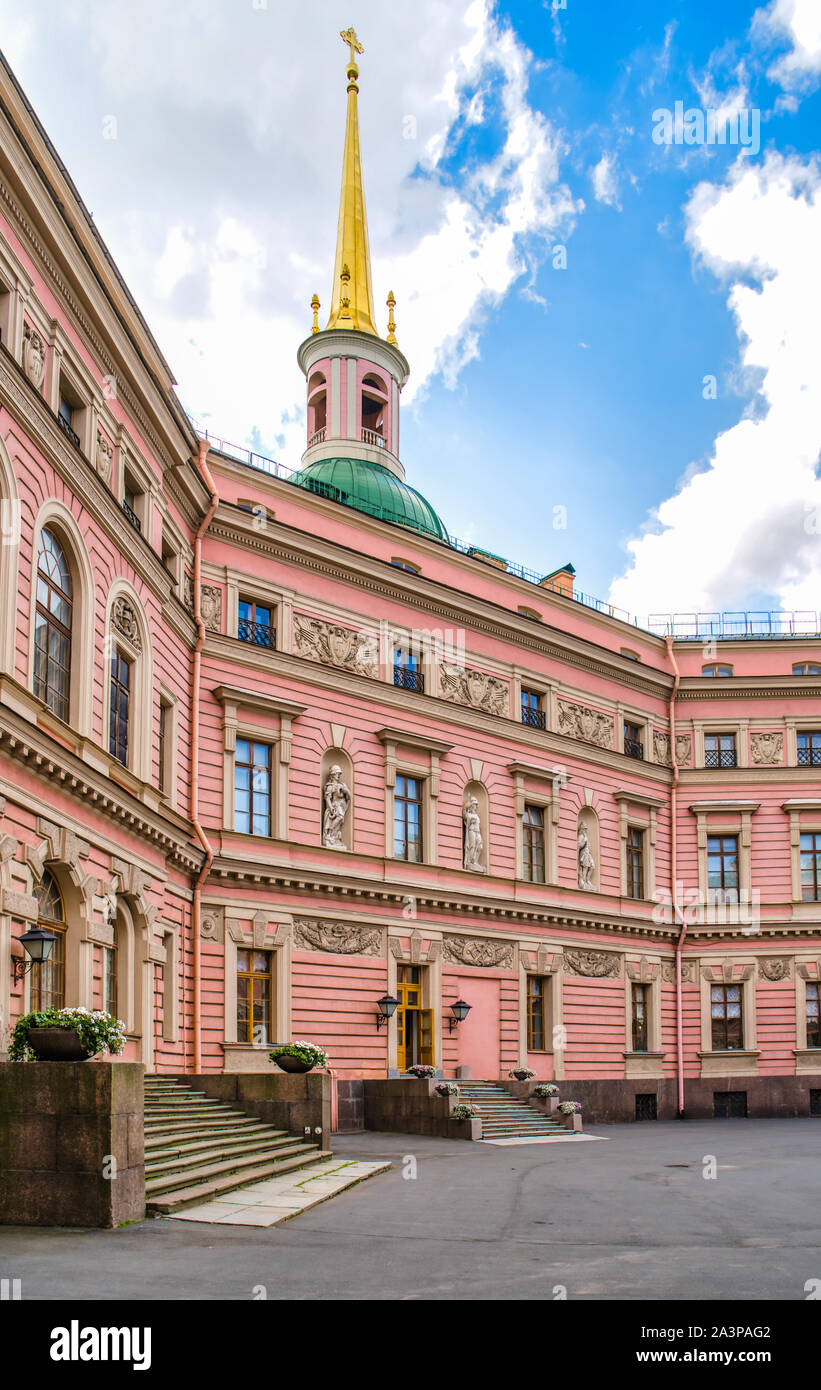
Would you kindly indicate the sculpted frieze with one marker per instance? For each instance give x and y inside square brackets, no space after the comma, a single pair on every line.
[661,748]
[579,721]
[470,950]
[766,747]
[465,686]
[338,938]
[332,645]
[599,964]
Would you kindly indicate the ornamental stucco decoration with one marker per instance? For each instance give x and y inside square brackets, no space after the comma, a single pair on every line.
[598,964]
[766,747]
[668,973]
[465,686]
[332,645]
[472,950]
[587,864]
[34,357]
[211,607]
[474,843]
[661,748]
[188,592]
[774,970]
[103,456]
[579,721]
[338,938]
[124,619]
[336,799]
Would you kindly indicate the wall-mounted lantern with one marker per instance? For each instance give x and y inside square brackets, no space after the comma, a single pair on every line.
[387,1008]
[460,1011]
[38,944]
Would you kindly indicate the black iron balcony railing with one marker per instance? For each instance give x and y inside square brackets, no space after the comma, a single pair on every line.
[535,718]
[633,747]
[408,679]
[67,430]
[258,634]
[720,757]
[131,516]
[809,757]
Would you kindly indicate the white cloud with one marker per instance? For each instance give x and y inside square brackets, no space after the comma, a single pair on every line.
[605,184]
[748,524]
[219,197]
[799,21]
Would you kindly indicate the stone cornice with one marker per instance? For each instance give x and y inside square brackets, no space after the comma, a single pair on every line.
[454,606]
[537,773]
[801,803]
[760,774]
[411,740]
[639,797]
[536,741]
[32,414]
[783,686]
[701,808]
[60,768]
[254,699]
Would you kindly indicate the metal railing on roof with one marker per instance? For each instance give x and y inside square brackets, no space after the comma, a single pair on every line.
[683,627]
[751,626]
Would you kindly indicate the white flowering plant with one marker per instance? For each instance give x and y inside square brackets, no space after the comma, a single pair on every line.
[545,1089]
[446,1088]
[465,1111]
[422,1072]
[308,1053]
[97,1030]
[570,1107]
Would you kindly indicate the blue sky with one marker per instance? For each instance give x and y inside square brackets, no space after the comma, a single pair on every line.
[491,134]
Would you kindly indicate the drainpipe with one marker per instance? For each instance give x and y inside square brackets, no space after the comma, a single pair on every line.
[677,912]
[195,753]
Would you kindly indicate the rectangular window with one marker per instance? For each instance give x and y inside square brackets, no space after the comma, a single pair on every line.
[406,672]
[809,749]
[254,979]
[536,1013]
[719,750]
[48,979]
[635,862]
[65,416]
[813,1015]
[131,498]
[110,980]
[533,844]
[532,711]
[407,819]
[640,1011]
[162,745]
[722,867]
[810,868]
[119,707]
[252,788]
[726,1018]
[255,624]
[633,746]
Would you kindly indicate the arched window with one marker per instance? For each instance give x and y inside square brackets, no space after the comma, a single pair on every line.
[317,408]
[48,980]
[374,409]
[715,668]
[52,626]
[806,668]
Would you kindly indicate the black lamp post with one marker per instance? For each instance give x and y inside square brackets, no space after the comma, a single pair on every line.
[387,1008]
[460,1011]
[38,944]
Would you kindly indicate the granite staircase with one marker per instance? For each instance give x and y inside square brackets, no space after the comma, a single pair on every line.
[197,1148]
[505,1117]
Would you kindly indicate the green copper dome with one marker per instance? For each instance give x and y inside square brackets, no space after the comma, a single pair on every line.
[370,488]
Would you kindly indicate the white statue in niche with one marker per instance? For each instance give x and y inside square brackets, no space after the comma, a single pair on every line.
[336,797]
[474,844]
[586,861]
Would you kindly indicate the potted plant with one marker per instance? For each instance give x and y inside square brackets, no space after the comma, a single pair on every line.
[446,1088]
[66,1035]
[464,1111]
[522,1073]
[571,1113]
[298,1056]
[545,1090]
[422,1073]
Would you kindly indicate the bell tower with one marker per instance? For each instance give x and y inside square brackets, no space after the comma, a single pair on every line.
[354,377]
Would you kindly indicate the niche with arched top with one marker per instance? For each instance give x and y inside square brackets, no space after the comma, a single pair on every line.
[317,405]
[587,844]
[473,861]
[374,405]
[336,800]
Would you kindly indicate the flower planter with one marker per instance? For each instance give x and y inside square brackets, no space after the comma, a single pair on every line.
[57,1045]
[293,1064]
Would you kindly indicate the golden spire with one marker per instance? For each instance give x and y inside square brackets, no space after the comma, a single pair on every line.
[315,307]
[352,295]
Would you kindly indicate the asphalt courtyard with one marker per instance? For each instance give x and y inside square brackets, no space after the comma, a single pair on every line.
[632,1218]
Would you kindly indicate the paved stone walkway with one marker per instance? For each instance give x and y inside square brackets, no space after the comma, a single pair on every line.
[276,1200]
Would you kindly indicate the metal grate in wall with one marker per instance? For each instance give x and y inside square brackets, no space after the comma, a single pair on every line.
[730,1105]
[647,1107]
[815,1102]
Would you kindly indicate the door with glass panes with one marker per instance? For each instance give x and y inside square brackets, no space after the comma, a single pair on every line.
[414,1025]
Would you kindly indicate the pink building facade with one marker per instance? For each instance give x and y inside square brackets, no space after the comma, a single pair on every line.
[274,747]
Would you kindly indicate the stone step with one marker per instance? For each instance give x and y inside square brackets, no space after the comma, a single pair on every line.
[205,1171]
[163,1203]
[157,1160]
[194,1127]
[217,1159]
[202,1138]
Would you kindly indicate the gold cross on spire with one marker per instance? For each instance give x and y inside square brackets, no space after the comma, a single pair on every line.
[348,36]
